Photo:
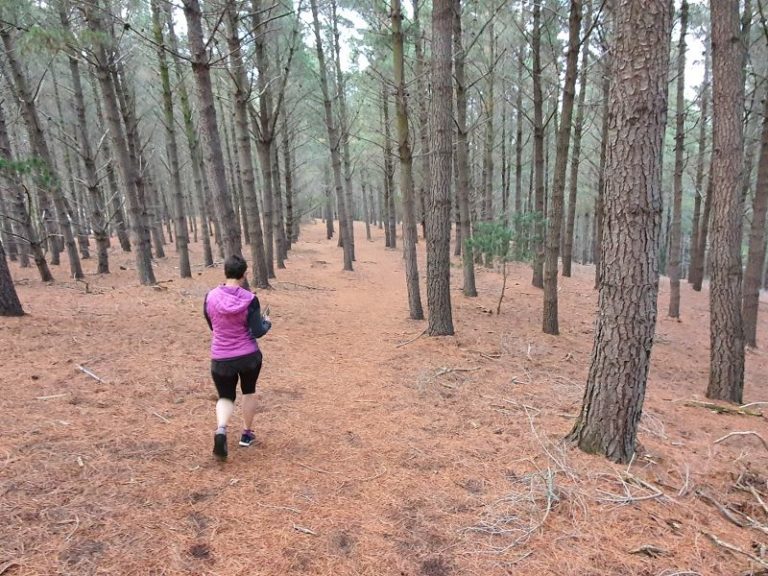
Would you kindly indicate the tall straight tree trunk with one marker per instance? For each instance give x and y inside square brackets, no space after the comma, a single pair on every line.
[282,240]
[550,316]
[519,133]
[10,305]
[21,212]
[193,144]
[504,171]
[423,115]
[406,166]
[441,132]
[677,207]
[289,223]
[538,150]
[131,176]
[389,173]
[366,207]
[599,202]
[334,143]
[244,152]
[696,224]
[95,193]
[172,149]
[232,163]
[214,160]
[578,129]
[624,331]
[462,153]
[39,146]
[343,127]
[328,204]
[756,253]
[726,372]
[489,133]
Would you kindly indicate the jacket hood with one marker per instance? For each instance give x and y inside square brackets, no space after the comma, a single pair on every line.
[230,299]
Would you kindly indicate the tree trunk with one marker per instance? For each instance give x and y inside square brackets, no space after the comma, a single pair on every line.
[489,133]
[389,174]
[10,305]
[624,331]
[214,157]
[290,225]
[410,231]
[699,182]
[366,208]
[462,153]
[578,129]
[550,315]
[39,146]
[172,150]
[282,240]
[441,132]
[726,373]
[674,241]
[343,128]
[538,150]
[241,96]
[423,115]
[334,143]
[599,203]
[756,253]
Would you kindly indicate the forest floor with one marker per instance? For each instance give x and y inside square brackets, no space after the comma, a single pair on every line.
[439,457]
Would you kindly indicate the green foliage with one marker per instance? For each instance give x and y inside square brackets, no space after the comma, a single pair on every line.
[30,166]
[515,242]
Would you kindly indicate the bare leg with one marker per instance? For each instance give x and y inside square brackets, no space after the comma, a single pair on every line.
[250,403]
[224,409]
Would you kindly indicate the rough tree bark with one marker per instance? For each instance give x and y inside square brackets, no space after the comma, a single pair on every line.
[441,132]
[626,318]
[10,305]
[696,224]
[726,372]
[538,149]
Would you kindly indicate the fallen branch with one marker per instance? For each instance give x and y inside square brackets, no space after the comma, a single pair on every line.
[307,287]
[89,373]
[442,371]
[745,433]
[304,530]
[8,565]
[727,514]
[163,418]
[715,540]
[51,397]
[649,550]
[412,339]
[721,409]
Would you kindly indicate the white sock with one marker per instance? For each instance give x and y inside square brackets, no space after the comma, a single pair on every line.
[224,410]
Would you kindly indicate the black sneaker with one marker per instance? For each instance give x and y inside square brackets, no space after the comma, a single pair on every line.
[247,438]
[220,446]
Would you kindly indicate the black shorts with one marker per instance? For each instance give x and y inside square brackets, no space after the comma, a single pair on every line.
[225,374]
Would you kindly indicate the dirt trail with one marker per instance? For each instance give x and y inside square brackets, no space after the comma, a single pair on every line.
[440,457]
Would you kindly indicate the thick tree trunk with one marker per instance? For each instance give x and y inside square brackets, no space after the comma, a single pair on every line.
[578,129]
[172,149]
[410,232]
[462,153]
[675,234]
[241,95]
[441,132]
[624,331]
[756,253]
[550,323]
[214,160]
[39,145]
[538,150]
[726,373]
[334,142]
[696,225]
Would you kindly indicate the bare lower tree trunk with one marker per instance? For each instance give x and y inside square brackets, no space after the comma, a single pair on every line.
[282,240]
[406,166]
[39,146]
[550,314]
[366,207]
[624,331]
[289,222]
[726,374]
[756,253]
[519,133]
[675,234]
[441,131]
[389,174]
[599,203]
[172,150]
[699,182]
[578,129]
[201,67]
[420,71]
[334,143]
[462,154]
[488,100]
[10,305]
[241,95]
[538,149]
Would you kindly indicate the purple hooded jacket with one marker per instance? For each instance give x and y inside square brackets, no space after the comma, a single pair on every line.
[234,315]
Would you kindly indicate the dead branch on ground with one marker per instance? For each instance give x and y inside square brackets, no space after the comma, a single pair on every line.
[412,339]
[720,409]
[85,370]
[715,540]
[744,433]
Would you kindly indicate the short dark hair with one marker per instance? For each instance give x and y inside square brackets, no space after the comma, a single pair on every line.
[235,267]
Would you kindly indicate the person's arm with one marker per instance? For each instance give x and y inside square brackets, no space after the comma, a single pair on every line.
[205,312]
[257,325]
